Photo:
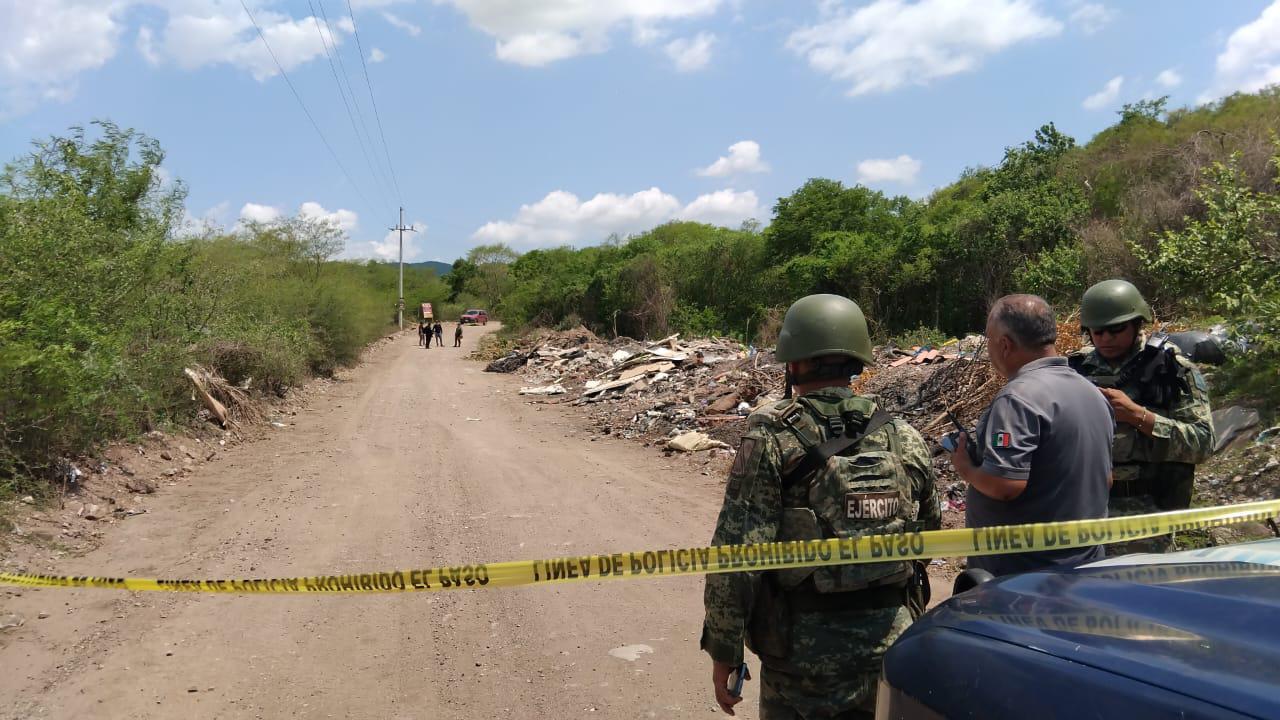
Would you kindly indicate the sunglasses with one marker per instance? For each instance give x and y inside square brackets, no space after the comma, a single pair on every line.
[1112,330]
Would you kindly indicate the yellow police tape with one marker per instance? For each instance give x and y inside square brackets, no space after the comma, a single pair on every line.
[703,560]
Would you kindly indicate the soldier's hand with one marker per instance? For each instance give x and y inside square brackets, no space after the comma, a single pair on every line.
[720,681]
[1126,410]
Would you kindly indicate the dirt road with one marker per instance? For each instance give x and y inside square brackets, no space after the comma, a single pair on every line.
[418,459]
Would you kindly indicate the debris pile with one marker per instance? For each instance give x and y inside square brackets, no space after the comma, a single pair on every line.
[669,389]
[230,405]
[691,395]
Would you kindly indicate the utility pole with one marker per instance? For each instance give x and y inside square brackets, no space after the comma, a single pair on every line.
[400,302]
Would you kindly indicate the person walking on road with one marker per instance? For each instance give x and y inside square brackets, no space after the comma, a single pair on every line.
[439,330]
[426,334]
[1164,426]
[826,463]
[1043,447]
[422,331]
[457,335]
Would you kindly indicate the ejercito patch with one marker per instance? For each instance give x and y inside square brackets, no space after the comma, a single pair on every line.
[872,505]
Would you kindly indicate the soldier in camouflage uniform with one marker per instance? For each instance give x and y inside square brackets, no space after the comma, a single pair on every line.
[1161,403]
[821,634]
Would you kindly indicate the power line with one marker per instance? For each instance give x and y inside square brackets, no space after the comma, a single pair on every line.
[383,175]
[301,104]
[342,93]
[373,101]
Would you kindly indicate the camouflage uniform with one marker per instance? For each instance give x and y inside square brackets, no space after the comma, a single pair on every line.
[1154,474]
[822,664]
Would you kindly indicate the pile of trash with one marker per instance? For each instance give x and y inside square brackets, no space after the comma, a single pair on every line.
[694,395]
[687,396]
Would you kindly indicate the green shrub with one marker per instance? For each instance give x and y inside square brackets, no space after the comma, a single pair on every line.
[919,336]
[103,301]
[1058,275]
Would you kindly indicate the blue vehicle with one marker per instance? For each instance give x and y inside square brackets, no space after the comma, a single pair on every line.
[1186,635]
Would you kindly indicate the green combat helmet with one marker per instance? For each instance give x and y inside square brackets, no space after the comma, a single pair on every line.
[1112,302]
[819,325]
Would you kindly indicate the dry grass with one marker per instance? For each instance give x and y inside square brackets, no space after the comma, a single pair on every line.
[242,408]
[1070,335]
[964,387]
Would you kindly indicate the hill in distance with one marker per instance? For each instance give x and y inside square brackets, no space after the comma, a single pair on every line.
[441,268]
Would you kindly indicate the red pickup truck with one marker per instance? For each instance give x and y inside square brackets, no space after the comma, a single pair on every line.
[474,317]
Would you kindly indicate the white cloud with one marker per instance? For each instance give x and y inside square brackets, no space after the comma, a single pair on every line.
[723,207]
[646,34]
[147,47]
[562,218]
[218,213]
[901,170]
[210,221]
[539,33]
[891,43]
[376,55]
[1092,17]
[690,54]
[44,46]
[388,248]
[344,220]
[1169,78]
[200,33]
[743,157]
[538,49]
[1251,59]
[1106,96]
[253,212]
[403,24]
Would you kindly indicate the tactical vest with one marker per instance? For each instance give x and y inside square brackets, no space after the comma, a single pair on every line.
[862,490]
[1154,379]
[844,489]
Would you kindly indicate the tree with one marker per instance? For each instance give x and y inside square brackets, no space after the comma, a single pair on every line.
[648,299]
[492,254]
[822,205]
[462,274]
[489,280]
[320,240]
[1231,254]
[1143,110]
[88,304]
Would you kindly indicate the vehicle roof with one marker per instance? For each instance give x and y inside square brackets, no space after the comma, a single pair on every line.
[1204,624]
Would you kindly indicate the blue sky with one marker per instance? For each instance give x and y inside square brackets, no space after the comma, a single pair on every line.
[561,121]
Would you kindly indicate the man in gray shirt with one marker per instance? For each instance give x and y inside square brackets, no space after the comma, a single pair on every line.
[1045,441]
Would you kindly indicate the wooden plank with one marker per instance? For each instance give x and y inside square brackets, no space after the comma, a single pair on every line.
[654,367]
[608,386]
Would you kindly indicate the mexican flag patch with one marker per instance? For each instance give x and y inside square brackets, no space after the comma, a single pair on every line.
[1001,440]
